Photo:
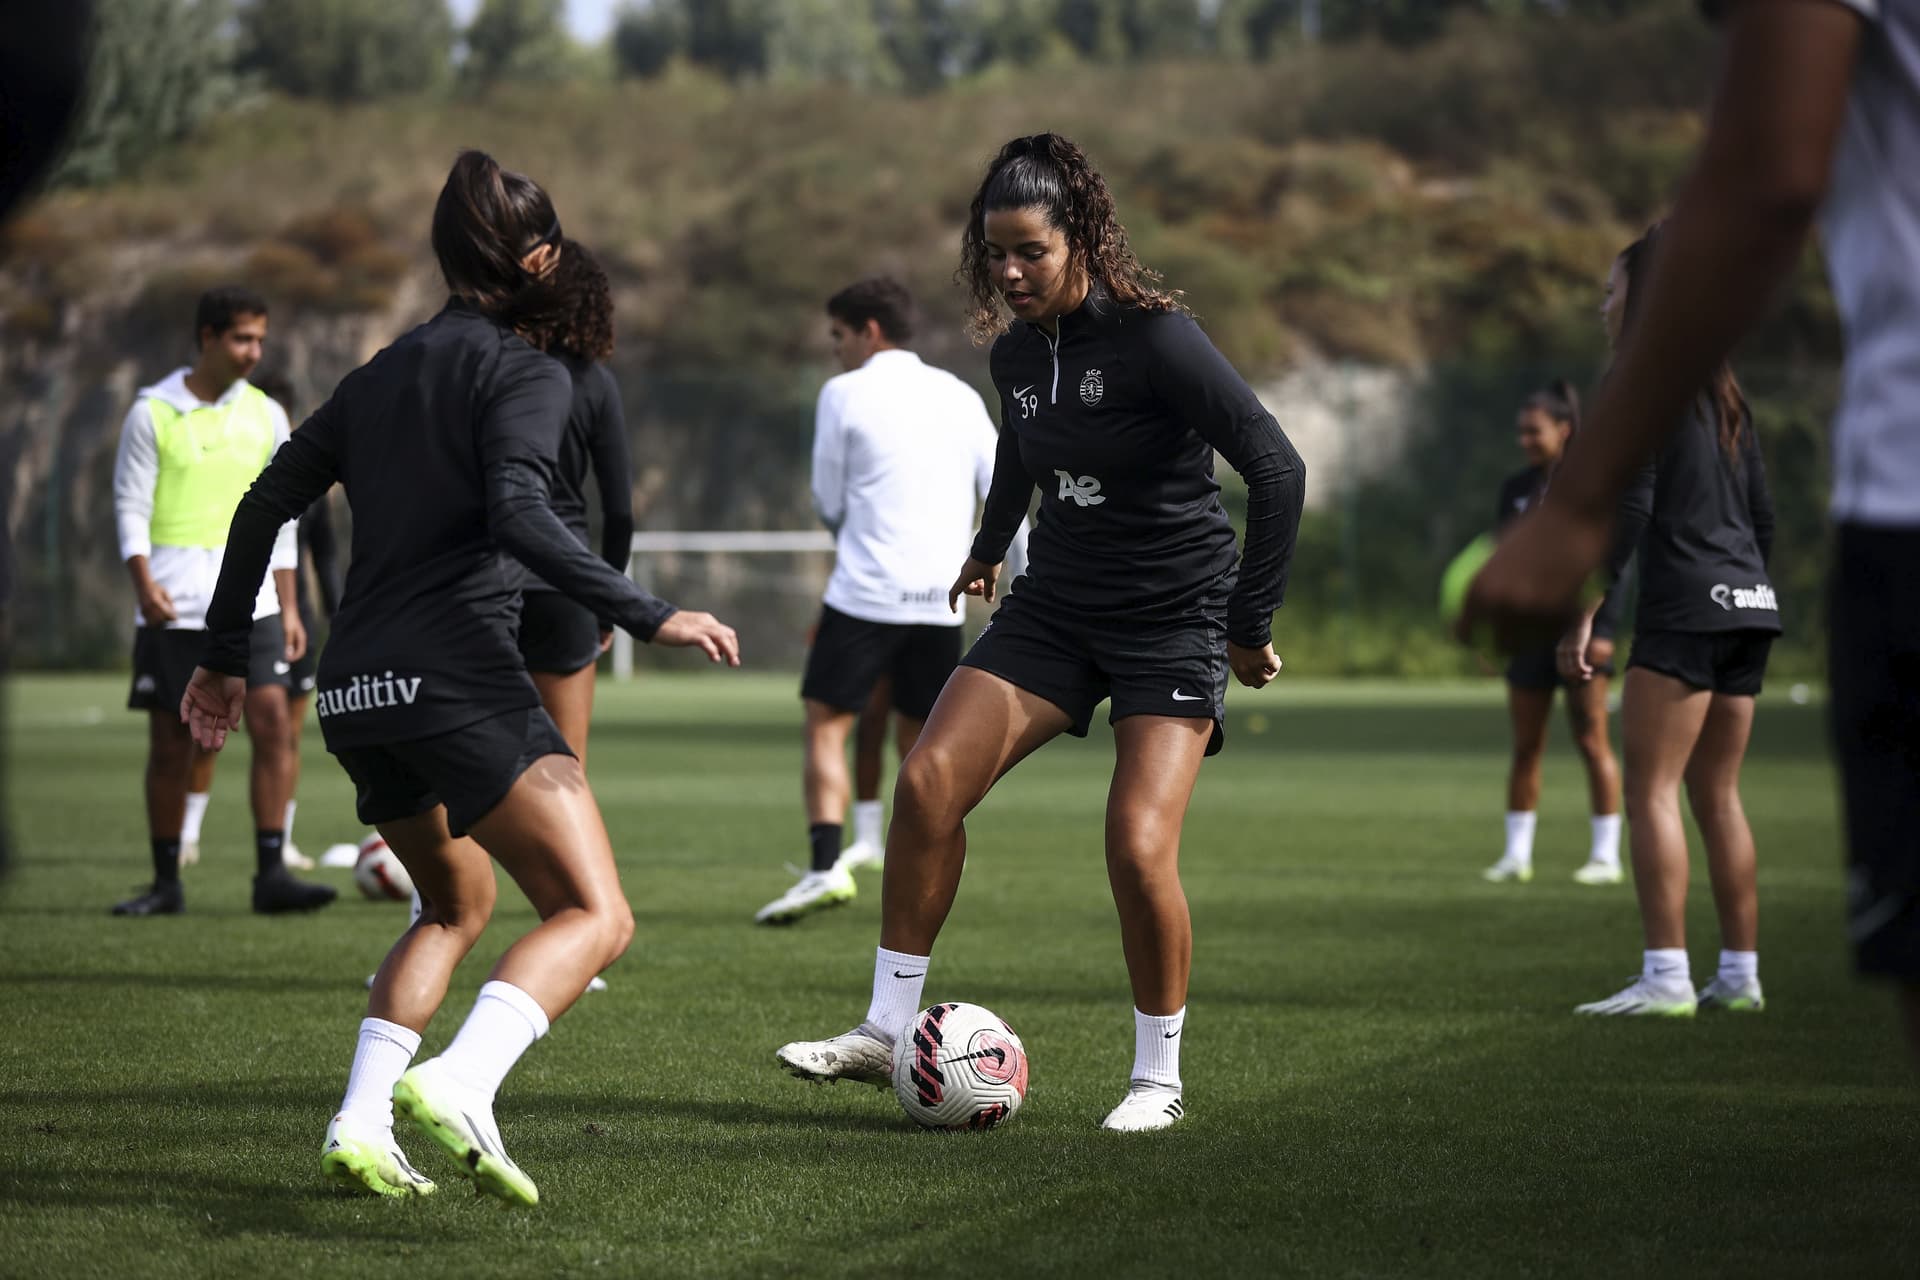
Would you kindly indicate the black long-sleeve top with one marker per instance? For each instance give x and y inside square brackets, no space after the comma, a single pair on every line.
[446,444]
[1117,420]
[315,537]
[1518,493]
[1702,525]
[595,439]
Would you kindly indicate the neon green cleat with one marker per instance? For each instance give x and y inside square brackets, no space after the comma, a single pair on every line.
[1720,996]
[363,1159]
[816,891]
[1509,869]
[461,1121]
[1642,998]
[1598,872]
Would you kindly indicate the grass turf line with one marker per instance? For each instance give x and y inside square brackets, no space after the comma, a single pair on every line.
[1382,1071]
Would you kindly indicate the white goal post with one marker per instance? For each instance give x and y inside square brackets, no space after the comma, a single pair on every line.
[729,541]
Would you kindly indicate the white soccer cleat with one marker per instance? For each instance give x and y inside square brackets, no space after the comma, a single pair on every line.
[461,1121]
[189,853]
[861,1055]
[1509,869]
[858,855]
[1721,996]
[1597,872]
[294,859]
[816,891]
[1642,998]
[364,1158]
[1147,1106]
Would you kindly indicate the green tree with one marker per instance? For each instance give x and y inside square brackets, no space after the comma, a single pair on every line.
[829,40]
[158,69]
[348,50]
[520,41]
[646,37]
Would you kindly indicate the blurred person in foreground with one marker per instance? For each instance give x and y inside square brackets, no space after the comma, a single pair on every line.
[1816,117]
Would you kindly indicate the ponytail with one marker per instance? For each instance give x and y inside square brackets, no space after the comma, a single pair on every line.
[485,222]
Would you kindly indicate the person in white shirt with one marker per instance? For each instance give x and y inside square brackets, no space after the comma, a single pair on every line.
[189,448]
[902,456]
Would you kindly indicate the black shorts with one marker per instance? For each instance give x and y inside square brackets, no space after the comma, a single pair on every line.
[164,659]
[1176,668]
[1729,662]
[305,673]
[469,770]
[850,656]
[1875,676]
[557,636]
[1539,670]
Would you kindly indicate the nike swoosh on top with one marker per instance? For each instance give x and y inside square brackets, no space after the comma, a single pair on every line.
[1186,697]
[1020,393]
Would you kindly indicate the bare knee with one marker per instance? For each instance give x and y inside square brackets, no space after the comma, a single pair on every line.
[1141,847]
[614,923]
[926,791]
[466,913]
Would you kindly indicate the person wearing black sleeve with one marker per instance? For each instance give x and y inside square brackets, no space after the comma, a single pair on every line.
[446,443]
[1547,421]
[559,639]
[1701,523]
[1114,403]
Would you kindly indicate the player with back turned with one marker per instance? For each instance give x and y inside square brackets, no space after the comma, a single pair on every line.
[1114,403]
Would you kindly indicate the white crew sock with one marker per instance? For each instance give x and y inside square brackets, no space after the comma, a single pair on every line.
[1606,839]
[1667,967]
[1737,968]
[384,1052]
[1156,1047]
[503,1025]
[898,979]
[287,826]
[1520,824]
[196,816]
[869,818]
[413,910]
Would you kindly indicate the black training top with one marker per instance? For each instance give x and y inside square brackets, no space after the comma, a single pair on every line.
[446,444]
[314,537]
[1702,524]
[1518,493]
[596,438]
[1117,420]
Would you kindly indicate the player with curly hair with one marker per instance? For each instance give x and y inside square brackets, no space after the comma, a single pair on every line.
[1114,403]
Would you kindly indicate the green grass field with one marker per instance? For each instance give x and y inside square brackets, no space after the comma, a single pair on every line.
[1383,1074]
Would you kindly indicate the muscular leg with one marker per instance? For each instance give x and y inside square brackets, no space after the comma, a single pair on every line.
[1713,791]
[270,782]
[1529,710]
[548,835]
[1663,721]
[569,700]
[906,733]
[456,884]
[1157,762]
[825,777]
[870,742]
[203,763]
[169,771]
[1587,712]
[981,727]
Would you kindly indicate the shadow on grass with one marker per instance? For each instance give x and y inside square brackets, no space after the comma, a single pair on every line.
[272,983]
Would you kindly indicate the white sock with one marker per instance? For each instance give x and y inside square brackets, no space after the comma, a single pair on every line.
[196,816]
[384,1052]
[413,910]
[1156,1047]
[1666,966]
[1520,825]
[898,979]
[503,1025]
[1606,839]
[288,825]
[1738,968]
[869,817]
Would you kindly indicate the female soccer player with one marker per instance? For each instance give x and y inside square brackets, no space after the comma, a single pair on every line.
[1114,403]
[445,443]
[1702,521]
[561,639]
[1547,421]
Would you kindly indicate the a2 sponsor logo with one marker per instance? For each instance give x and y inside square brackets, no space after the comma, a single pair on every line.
[1758,596]
[1083,491]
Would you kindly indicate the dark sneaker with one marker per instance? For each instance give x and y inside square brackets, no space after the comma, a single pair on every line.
[277,891]
[164,899]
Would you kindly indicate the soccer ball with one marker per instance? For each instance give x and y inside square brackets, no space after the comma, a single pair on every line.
[379,873]
[959,1067]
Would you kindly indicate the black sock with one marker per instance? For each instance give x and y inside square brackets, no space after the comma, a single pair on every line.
[166,861]
[266,851]
[825,838]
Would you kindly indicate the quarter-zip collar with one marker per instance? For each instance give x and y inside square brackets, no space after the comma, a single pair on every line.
[1094,308]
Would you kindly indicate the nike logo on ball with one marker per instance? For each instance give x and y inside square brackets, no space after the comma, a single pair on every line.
[1186,697]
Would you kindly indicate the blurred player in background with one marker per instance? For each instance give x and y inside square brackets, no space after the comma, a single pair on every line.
[902,456]
[189,448]
[1547,421]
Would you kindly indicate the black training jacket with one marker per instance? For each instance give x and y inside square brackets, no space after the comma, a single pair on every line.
[1117,421]
[595,439]
[1702,524]
[446,444]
